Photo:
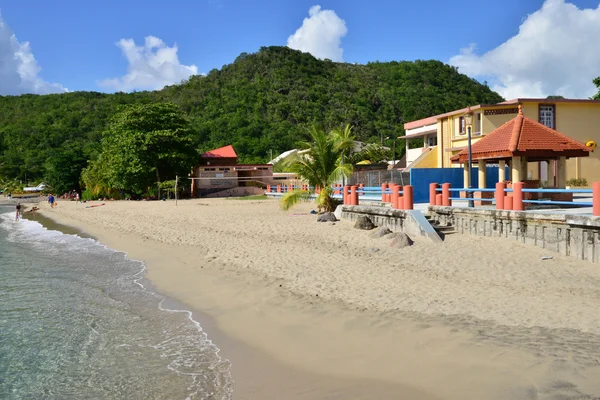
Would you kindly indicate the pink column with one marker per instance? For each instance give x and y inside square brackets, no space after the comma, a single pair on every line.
[596,199]
[518,196]
[508,202]
[432,192]
[347,195]
[500,186]
[395,195]
[408,197]
[353,195]
[446,202]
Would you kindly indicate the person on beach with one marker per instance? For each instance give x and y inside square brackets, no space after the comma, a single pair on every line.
[51,200]
[76,197]
[18,212]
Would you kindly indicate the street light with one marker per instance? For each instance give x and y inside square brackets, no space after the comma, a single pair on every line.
[468,122]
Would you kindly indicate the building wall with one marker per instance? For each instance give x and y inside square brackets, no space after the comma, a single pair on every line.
[208,172]
[444,155]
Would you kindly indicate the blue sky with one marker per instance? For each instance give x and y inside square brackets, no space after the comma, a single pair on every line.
[74,41]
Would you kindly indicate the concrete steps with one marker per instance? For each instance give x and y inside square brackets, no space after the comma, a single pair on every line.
[442,230]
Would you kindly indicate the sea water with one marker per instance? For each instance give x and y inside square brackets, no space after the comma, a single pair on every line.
[77,321]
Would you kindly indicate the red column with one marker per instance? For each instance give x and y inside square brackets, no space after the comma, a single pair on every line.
[596,199]
[395,195]
[353,195]
[268,188]
[500,186]
[408,197]
[508,202]
[383,187]
[337,188]
[400,203]
[446,202]
[347,195]
[518,196]
[278,188]
[432,193]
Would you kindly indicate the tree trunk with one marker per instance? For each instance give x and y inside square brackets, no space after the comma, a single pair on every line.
[158,183]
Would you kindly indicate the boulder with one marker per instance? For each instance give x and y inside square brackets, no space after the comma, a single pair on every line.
[381,232]
[400,240]
[364,223]
[326,217]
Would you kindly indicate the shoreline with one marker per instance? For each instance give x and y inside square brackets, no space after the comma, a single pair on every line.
[284,341]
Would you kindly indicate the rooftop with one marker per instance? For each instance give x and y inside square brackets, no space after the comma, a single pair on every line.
[221,152]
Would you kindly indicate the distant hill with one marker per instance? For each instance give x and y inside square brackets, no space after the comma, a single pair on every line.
[261,102]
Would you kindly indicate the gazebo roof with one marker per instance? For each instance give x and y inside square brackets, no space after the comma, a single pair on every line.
[522,136]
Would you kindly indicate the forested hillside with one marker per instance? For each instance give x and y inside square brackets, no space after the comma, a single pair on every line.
[262,102]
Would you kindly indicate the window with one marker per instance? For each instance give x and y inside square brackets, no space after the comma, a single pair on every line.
[432,141]
[548,115]
[461,125]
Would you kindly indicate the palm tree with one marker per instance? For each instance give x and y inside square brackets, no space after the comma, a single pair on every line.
[321,166]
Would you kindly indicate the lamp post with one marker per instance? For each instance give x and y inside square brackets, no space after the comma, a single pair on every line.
[468,122]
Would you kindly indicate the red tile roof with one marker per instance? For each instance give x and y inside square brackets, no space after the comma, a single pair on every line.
[522,136]
[221,152]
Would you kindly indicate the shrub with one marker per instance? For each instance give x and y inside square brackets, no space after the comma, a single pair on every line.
[577,182]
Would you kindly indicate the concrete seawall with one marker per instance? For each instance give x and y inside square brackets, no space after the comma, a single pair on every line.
[568,234]
[411,222]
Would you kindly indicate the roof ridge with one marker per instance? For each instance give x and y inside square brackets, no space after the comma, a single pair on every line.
[516,133]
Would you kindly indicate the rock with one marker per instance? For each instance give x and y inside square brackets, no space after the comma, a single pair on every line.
[373,250]
[400,241]
[326,217]
[364,223]
[381,232]
[332,223]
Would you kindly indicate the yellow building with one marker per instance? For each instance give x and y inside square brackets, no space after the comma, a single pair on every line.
[445,135]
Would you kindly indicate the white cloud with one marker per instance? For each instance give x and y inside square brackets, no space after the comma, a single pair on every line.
[320,34]
[556,52]
[18,68]
[151,66]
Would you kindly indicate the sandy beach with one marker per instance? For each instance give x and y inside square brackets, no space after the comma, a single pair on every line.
[308,310]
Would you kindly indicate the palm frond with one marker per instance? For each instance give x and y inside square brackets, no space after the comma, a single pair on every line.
[292,198]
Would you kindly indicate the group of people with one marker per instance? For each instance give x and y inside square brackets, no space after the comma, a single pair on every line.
[20,211]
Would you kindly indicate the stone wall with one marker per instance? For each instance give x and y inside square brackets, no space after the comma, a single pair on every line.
[571,235]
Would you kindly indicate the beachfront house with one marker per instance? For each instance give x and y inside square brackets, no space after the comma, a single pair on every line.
[218,174]
[443,136]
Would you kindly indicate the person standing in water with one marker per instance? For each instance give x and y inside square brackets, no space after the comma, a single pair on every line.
[18,212]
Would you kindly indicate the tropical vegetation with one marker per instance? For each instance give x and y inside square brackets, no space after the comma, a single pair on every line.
[262,103]
[321,166]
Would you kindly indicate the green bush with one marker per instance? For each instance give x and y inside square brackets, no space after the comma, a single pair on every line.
[577,182]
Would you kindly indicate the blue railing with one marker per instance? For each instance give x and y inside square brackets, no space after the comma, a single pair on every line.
[491,201]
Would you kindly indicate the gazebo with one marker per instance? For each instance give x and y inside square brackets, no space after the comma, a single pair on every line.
[517,142]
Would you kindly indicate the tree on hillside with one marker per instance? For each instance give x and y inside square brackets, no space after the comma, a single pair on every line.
[321,166]
[63,167]
[597,83]
[145,144]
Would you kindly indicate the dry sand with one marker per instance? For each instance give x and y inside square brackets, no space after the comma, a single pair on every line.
[349,317]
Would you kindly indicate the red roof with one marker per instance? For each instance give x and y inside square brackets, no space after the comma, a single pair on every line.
[522,136]
[221,152]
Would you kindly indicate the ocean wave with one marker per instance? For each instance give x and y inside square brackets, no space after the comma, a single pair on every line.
[182,342]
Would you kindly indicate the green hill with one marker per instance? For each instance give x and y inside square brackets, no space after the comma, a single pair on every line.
[261,102]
